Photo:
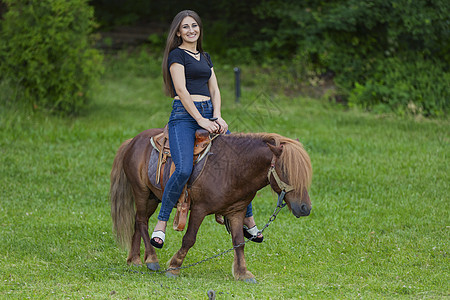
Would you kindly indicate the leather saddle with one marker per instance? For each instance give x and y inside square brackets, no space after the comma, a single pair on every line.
[201,147]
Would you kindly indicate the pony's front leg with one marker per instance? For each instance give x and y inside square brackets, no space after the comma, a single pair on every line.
[239,267]
[195,220]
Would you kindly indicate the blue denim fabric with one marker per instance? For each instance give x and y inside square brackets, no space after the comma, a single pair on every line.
[249,212]
[182,129]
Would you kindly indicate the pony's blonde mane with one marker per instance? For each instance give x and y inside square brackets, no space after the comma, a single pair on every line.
[294,160]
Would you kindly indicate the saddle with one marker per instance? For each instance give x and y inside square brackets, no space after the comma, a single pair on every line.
[201,147]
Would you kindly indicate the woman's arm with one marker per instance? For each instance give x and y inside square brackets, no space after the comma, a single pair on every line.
[179,82]
[215,93]
[217,101]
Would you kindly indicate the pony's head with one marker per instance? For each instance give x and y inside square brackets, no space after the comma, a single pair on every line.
[293,167]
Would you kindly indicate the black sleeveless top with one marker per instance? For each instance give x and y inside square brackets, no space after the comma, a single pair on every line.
[197,72]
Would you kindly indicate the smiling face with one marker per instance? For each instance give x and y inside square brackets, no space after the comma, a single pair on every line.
[189,30]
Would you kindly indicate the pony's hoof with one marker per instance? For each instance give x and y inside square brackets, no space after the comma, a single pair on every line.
[154,266]
[250,280]
[171,275]
[134,262]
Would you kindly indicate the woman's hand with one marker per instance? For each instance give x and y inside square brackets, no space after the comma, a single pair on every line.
[210,126]
[223,125]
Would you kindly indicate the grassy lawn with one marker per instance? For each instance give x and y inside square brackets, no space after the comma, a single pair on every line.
[379,228]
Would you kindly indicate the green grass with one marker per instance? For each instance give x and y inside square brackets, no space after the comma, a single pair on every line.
[380,225]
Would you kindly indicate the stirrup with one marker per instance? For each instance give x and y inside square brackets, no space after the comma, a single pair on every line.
[158,234]
[250,233]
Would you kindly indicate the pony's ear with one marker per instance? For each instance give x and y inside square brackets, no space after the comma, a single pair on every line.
[276,149]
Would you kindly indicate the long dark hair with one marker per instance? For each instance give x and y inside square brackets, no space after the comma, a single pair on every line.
[173,41]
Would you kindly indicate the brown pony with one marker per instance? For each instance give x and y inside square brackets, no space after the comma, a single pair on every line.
[238,166]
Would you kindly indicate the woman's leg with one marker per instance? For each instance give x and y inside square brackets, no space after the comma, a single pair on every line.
[249,212]
[181,139]
[249,220]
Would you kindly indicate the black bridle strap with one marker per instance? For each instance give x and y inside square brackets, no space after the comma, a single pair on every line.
[281,202]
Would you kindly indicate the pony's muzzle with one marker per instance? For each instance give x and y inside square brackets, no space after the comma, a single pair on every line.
[305,209]
[301,210]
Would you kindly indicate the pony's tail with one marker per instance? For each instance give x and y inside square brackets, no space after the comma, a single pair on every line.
[122,200]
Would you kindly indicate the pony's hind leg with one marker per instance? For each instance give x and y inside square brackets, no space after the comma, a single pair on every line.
[146,205]
[134,254]
[239,267]
[150,258]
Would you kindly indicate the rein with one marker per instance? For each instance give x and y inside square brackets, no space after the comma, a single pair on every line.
[278,208]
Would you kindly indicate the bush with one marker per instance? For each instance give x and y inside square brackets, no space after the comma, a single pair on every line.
[46,53]
[413,86]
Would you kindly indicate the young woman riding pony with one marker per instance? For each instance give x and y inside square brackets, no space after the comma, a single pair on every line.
[189,78]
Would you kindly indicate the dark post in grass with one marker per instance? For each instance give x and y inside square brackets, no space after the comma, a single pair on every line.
[237,81]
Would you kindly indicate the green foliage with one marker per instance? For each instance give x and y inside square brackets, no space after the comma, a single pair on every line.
[363,42]
[414,86]
[46,54]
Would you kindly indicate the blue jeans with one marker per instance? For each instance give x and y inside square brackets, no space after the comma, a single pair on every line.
[182,129]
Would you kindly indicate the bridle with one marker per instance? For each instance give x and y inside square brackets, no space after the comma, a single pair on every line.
[283,186]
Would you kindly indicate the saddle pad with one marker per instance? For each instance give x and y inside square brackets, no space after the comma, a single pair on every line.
[153,163]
